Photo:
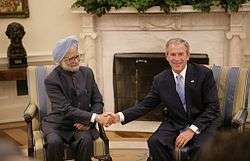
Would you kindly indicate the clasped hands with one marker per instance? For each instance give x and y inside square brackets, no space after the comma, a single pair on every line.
[107,118]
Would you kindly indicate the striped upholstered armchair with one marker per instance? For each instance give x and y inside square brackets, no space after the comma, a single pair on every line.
[38,107]
[233,91]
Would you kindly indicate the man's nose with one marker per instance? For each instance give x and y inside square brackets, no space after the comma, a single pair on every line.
[176,58]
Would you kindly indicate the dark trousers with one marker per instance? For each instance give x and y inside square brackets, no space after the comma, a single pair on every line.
[158,151]
[161,145]
[81,143]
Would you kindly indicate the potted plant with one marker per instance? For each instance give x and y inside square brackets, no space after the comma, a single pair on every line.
[100,7]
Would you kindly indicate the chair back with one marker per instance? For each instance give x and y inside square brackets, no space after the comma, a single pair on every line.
[37,93]
[233,90]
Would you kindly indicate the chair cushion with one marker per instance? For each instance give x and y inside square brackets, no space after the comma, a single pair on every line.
[99,148]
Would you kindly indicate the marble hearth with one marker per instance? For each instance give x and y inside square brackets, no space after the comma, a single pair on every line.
[217,34]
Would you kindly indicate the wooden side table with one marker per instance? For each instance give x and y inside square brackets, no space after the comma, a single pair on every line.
[15,74]
[11,74]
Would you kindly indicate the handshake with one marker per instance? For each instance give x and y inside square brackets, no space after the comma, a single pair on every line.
[107,118]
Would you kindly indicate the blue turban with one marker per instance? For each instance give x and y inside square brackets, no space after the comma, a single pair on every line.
[62,47]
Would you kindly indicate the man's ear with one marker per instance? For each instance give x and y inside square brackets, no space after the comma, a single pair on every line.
[166,57]
[188,56]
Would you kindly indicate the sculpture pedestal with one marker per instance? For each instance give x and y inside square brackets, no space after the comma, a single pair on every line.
[17,62]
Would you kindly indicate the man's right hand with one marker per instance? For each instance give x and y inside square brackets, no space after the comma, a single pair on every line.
[107,118]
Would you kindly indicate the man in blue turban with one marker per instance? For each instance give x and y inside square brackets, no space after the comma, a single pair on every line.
[76,104]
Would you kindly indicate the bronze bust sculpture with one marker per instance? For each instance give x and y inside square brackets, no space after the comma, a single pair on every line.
[16,52]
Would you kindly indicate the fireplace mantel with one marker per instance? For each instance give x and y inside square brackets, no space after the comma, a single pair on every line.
[218,34]
[128,19]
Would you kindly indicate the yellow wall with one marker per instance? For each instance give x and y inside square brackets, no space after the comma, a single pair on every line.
[49,21]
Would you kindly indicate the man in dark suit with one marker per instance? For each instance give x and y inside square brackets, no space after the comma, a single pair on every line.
[76,104]
[189,92]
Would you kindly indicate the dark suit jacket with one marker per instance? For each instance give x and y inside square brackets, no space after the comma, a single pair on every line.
[74,98]
[201,101]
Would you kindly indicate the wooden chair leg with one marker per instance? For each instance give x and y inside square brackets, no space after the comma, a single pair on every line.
[106,158]
[149,158]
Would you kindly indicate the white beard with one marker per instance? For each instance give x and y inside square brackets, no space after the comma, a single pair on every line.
[68,68]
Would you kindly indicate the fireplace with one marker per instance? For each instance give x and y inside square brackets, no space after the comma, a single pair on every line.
[218,34]
[133,75]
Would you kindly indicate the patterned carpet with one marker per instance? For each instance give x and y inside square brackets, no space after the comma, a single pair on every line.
[16,133]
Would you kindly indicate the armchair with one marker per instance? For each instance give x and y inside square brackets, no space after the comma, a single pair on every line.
[38,107]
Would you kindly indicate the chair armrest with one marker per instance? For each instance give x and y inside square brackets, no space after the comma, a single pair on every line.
[239,119]
[30,112]
[39,151]
[102,132]
[104,138]
[184,153]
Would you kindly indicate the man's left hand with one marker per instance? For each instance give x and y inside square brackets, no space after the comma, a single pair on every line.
[81,127]
[184,138]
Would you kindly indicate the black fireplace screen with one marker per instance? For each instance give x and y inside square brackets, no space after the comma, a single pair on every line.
[133,75]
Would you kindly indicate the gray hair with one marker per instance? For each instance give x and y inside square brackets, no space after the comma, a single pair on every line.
[178,41]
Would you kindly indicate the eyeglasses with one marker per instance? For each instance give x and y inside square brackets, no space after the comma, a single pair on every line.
[72,59]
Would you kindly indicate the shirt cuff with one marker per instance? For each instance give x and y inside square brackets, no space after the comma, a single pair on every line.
[195,129]
[122,118]
[93,117]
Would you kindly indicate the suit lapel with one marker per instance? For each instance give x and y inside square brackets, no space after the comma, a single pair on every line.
[171,83]
[171,90]
[190,83]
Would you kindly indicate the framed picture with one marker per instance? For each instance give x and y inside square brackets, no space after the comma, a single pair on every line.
[14,9]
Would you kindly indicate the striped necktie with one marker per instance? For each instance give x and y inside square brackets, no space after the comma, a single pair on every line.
[180,88]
